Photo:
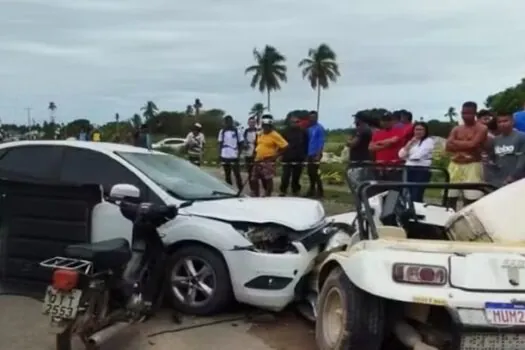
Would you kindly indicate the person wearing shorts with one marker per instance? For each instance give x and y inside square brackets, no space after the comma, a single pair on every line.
[465,144]
[270,145]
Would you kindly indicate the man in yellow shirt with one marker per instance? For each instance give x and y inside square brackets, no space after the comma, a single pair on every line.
[270,145]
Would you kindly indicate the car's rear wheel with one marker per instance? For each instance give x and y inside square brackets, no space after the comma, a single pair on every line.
[198,281]
[348,317]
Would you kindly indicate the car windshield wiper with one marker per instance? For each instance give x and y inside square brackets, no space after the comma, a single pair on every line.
[227,194]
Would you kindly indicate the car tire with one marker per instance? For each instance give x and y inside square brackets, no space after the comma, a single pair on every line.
[356,324]
[216,279]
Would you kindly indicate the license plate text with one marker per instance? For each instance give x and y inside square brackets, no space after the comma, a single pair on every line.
[505,314]
[61,304]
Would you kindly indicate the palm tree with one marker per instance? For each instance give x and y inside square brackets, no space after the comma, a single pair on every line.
[197,105]
[117,119]
[257,112]
[52,108]
[149,110]
[320,68]
[189,110]
[268,72]
[451,115]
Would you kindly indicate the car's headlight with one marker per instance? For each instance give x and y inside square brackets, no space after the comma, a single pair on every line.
[269,238]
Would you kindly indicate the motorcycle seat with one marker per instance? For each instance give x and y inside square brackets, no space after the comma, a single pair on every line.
[112,253]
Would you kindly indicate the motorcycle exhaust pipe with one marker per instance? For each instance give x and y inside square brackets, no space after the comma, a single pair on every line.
[100,337]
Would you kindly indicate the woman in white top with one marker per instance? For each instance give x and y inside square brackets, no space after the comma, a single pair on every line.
[418,153]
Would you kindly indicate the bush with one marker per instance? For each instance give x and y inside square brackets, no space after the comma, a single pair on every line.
[333,173]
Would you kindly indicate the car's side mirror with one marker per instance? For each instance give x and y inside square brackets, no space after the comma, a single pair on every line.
[121,191]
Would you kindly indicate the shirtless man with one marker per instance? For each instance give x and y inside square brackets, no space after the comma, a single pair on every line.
[466,143]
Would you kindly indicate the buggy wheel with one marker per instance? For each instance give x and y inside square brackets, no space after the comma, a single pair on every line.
[348,317]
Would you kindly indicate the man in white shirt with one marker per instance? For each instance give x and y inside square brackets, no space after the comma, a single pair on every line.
[195,144]
[230,147]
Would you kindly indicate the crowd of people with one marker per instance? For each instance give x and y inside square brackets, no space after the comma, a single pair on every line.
[259,146]
[485,147]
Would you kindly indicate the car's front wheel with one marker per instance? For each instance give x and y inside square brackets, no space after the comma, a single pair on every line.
[198,281]
[348,317]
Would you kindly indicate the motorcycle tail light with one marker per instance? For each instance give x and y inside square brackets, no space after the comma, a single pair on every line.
[419,274]
[65,280]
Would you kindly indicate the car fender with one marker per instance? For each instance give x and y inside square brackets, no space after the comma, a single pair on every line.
[218,234]
[345,219]
[371,270]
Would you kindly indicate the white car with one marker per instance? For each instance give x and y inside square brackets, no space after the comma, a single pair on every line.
[175,143]
[431,277]
[253,250]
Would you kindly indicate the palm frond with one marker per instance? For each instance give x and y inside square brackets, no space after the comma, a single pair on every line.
[269,69]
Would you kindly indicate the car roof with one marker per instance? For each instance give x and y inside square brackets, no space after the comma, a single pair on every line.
[104,147]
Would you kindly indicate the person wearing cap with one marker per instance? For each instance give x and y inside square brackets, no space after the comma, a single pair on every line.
[316,140]
[194,144]
[270,146]
[385,144]
[231,144]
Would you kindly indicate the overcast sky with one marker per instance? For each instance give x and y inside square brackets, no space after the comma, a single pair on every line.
[95,58]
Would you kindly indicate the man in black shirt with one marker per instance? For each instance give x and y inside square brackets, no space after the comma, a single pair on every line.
[359,155]
[294,156]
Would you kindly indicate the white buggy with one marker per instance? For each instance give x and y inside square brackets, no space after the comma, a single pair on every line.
[421,276]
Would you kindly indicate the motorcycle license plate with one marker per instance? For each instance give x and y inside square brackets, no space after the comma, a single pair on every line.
[61,304]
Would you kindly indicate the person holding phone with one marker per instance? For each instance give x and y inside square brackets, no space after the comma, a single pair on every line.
[417,153]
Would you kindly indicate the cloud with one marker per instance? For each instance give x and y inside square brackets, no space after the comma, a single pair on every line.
[98,57]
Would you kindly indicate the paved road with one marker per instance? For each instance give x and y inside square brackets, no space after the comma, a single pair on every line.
[22,327]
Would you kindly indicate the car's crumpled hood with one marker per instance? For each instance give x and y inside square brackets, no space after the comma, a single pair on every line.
[296,213]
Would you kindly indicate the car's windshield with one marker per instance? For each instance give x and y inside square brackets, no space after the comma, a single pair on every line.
[178,177]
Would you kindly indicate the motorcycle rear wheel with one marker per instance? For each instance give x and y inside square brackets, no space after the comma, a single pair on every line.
[64,340]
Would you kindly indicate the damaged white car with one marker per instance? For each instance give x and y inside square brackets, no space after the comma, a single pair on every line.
[425,277]
[224,246]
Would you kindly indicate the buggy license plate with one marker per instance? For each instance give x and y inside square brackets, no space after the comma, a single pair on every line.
[504,314]
[61,304]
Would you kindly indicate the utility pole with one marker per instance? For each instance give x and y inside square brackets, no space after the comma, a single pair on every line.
[28,109]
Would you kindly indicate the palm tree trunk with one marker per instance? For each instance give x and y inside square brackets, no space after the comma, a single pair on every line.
[268,103]
[318,97]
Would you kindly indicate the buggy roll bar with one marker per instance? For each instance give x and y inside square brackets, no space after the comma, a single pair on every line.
[369,164]
[363,206]
[403,168]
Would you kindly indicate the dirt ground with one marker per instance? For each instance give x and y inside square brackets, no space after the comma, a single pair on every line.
[22,326]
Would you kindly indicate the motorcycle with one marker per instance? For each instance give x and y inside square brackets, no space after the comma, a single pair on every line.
[99,289]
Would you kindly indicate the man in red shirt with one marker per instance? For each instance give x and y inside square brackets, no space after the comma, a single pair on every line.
[386,143]
[403,120]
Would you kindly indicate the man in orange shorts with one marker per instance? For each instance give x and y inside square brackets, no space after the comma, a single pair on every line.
[270,146]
